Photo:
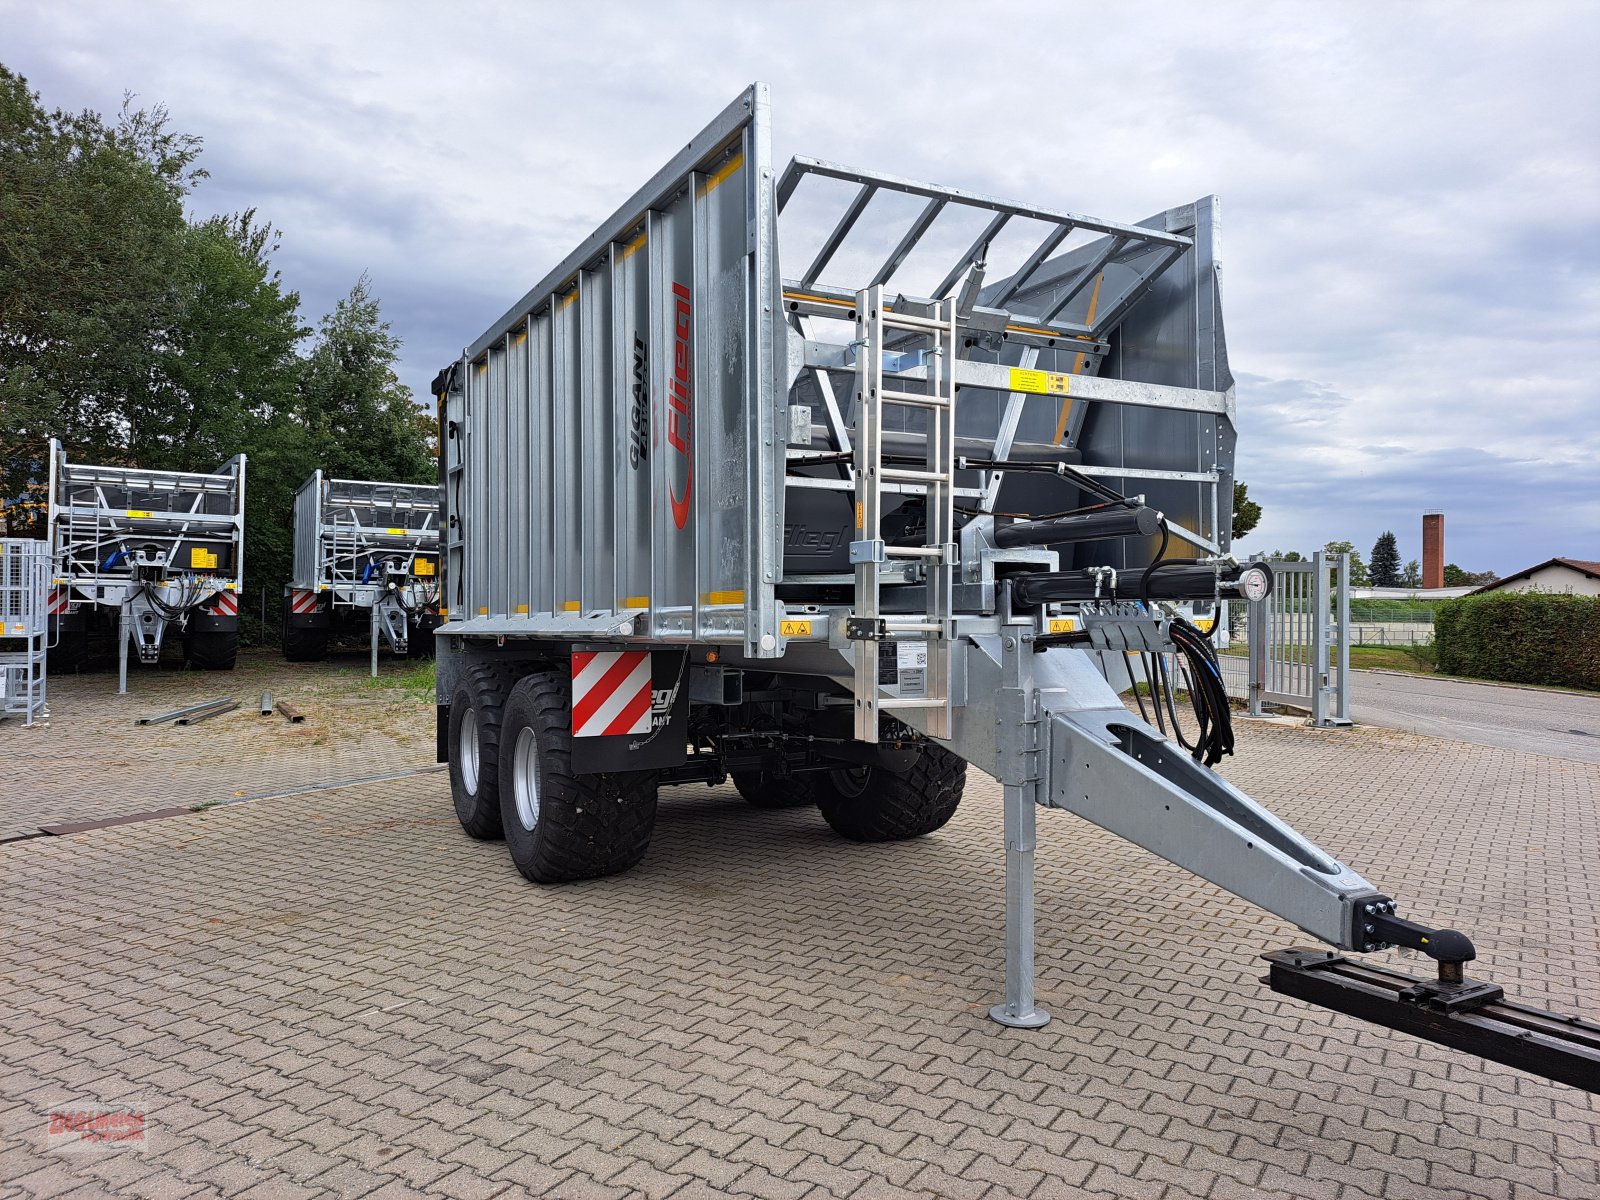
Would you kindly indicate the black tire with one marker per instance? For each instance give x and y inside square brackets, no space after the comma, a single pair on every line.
[870,804]
[69,655]
[420,642]
[304,645]
[762,789]
[213,650]
[559,825]
[476,711]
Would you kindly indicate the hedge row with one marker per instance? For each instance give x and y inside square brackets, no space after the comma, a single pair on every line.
[1521,637]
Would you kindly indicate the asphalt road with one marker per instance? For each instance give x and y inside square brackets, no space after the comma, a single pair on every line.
[1560,724]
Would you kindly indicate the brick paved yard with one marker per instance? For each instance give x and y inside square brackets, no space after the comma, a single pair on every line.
[337,993]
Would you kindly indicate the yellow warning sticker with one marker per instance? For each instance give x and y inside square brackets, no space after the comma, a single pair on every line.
[393,532]
[1063,624]
[201,558]
[422,566]
[138,512]
[796,629]
[1040,383]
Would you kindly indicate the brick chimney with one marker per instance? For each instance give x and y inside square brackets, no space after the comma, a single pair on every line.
[1433,550]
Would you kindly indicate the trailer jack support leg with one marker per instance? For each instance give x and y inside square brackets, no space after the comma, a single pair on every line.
[1019,1010]
[375,609]
[125,632]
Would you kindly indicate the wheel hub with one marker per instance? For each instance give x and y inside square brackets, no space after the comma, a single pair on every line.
[525,779]
[467,751]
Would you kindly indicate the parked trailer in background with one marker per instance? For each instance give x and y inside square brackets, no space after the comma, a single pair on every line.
[833,483]
[366,554]
[137,552]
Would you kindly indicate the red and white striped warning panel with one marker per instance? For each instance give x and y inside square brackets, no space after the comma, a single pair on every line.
[225,605]
[57,604]
[610,692]
[302,601]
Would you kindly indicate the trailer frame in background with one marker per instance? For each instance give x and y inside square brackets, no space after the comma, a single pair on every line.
[1299,640]
[365,545]
[24,627]
[158,547]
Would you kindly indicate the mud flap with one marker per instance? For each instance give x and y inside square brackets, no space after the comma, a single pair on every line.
[630,710]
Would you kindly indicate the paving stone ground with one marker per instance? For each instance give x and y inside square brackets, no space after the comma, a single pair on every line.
[339,994]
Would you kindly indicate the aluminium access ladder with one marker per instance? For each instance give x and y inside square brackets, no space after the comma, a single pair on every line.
[24,626]
[918,646]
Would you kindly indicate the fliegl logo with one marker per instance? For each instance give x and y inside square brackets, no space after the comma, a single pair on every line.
[680,404]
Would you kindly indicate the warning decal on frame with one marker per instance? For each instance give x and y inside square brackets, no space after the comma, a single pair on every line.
[1040,383]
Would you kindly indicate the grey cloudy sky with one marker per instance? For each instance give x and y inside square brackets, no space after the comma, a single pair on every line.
[1411,191]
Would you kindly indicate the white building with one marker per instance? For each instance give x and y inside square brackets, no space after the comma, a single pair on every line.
[1569,576]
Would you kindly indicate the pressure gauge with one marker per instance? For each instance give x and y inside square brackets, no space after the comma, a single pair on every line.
[1254,582]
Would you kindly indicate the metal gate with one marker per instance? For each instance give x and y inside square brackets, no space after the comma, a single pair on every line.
[1299,640]
[24,626]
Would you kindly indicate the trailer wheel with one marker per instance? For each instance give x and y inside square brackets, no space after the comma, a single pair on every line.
[420,642]
[762,789]
[476,710]
[214,650]
[560,825]
[870,804]
[304,645]
[70,654]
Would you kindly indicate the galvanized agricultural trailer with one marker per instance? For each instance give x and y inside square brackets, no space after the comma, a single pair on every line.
[364,552]
[834,483]
[137,551]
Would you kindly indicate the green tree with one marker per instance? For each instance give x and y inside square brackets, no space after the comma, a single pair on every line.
[1413,575]
[1246,512]
[1287,556]
[1358,569]
[1454,576]
[92,239]
[362,420]
[1385,569]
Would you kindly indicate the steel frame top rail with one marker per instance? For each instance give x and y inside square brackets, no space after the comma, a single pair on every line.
[1124,241]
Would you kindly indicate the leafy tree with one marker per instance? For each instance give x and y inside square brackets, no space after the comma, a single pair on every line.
[1287,556]
[362,420]
[1454,576]
[92,237]
[1385,569]
[1246,512]
[1413,575]
[1358,569]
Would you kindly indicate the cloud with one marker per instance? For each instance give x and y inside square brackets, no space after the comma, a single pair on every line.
[1411,262]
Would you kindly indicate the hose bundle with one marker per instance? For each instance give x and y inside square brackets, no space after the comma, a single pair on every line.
[1207,695]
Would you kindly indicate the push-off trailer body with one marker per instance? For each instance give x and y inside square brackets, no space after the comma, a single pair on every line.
[840,520]
[365,553]
[137,551]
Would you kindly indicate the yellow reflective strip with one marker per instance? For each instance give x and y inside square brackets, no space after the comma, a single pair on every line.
[483,612]
[721,177]
[631,248]
[522,337]
[522,610]
[723,598]
[566,301]
[634,602]
[570,606]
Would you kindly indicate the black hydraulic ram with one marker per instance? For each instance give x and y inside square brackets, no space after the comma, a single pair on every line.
[1139,521]
[1172,582]
[1452,1010]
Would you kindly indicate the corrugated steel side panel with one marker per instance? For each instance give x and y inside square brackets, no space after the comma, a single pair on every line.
[609,443]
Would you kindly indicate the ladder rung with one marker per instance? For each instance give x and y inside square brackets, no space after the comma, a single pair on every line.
[891,702]
[916,398]
[894,320]
[913,627]
[914,476]
[914,551]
